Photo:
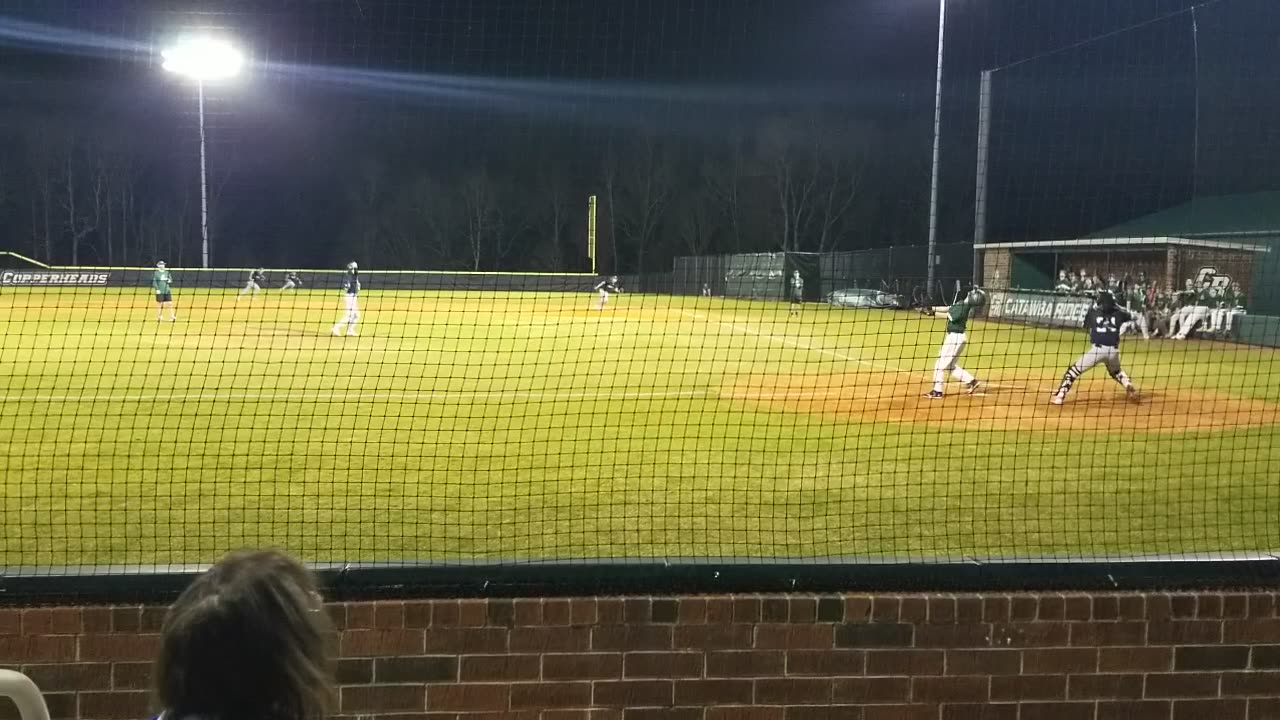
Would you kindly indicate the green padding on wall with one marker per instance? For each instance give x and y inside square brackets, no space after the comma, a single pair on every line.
[1258,330]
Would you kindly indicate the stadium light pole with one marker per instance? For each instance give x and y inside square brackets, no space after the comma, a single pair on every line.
[203,59]
[937,148]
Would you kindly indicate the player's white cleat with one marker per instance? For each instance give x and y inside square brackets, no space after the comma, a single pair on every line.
[1057,399]
[337,332]
[352,333]
[1131,393]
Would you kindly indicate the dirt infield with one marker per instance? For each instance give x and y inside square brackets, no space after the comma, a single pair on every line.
[1011,403]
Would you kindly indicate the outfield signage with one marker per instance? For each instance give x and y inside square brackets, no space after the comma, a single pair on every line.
[11,277]
[1039,308]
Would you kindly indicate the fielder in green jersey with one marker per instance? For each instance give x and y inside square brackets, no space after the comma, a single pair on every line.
[162,283]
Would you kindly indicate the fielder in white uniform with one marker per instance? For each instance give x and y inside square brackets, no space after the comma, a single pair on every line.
[604,287]
[957,317]
[256,278]
[350,292]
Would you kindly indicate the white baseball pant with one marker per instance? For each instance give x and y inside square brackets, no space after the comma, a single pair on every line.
[352,315]
[1140,322]
[1195,314]
[947,357]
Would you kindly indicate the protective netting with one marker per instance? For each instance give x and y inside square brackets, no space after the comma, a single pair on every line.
[753,365]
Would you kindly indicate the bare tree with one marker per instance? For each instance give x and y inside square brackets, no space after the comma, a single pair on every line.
[82,193]
[421,224]
[645,192]
[840,169]
[610,177]
[815,167]
[42,161]
[554,196]
[366,190]
[791,169]
[120,182]
[696,221]
[517,216]
[483,214]
[5,172]
[723,177]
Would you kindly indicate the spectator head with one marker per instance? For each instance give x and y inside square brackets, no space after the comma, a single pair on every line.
[246,641]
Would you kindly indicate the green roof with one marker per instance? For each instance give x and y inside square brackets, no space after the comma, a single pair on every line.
[1252,213]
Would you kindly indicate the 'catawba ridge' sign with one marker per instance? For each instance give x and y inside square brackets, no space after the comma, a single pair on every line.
[1039,308]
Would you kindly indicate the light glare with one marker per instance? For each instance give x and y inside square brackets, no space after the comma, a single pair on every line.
[203,59]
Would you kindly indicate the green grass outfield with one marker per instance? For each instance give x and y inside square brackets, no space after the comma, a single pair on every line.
[509,426]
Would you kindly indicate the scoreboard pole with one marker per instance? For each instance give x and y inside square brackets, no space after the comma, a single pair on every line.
[591,232]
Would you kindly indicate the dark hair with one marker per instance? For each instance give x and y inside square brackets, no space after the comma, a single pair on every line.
[247,641]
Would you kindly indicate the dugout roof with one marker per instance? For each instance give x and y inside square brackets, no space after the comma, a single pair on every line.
[1123,242]
[1219,216]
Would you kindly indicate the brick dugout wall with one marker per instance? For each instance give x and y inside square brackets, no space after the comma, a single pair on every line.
[901,657]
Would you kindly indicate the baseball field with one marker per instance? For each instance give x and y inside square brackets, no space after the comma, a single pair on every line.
[524,426]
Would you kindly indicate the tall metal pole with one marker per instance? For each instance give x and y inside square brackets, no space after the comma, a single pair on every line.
[1195,141]
[204,190]
[980,184]
[937,146]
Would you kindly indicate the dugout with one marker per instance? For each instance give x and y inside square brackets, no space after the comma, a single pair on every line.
[1238,236]
[1034,265]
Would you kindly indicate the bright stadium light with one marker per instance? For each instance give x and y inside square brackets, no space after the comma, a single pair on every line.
[203,59]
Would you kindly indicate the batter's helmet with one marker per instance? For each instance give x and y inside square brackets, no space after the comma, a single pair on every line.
[976,297]
[1106,301]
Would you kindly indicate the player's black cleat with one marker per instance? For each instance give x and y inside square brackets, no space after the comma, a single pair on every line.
[1131,393]
[972,387]
[933,395]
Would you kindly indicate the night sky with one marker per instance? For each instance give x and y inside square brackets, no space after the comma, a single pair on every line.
[362,122]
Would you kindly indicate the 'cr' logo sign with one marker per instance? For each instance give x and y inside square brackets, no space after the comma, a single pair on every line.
[1210,275]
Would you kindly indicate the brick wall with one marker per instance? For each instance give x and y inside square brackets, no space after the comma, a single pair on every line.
[855,657]
[996,268]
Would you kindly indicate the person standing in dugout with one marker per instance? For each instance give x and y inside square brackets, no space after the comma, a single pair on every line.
[957,317]
[1103,321]
[1137,306]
